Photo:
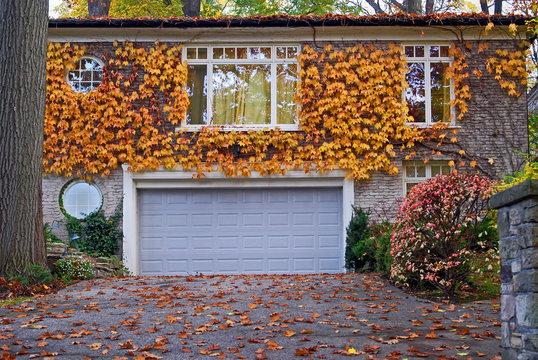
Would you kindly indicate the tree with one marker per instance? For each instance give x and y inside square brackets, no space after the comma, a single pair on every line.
[128,8]
[168,8]
[98,8]
[23,54]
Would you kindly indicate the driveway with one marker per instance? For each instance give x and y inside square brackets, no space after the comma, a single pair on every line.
[246,317]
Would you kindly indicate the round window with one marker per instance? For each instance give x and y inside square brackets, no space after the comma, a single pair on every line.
[86,76]
[81,199]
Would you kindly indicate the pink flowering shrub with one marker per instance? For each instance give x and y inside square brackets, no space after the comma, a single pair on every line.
[435,228]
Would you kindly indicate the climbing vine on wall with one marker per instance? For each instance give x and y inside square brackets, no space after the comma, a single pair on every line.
[352,116]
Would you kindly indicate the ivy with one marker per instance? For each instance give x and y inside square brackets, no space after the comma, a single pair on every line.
[351,115]
[98,235]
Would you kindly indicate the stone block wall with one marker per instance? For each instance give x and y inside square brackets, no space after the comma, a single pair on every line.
[518,232]
[111,187]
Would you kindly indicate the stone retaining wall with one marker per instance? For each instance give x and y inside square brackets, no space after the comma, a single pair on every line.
[104,267]
[517,221]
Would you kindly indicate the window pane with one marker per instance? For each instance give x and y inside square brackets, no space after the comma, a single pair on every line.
[421,171]
[444,51]
[286,89]
[415,93]
[241,94]
[281,52]
[218,53]
[410,171]
[292,52]
[419,51]
[202,53]
[191,53]
[197,91]
[436,170]
[410,51]
[241,53]
[446,170]
[229,53]
[434,51]
[81,199]
[440,92]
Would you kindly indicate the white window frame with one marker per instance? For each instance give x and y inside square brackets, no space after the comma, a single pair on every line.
[417,180]
[427,60]
[274,61]
[92,81]
[68,186]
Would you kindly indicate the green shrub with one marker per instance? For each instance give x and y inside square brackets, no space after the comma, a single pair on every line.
[381,234]
[368,245]
[357,241]
[99,235]
[74,268]
[35,275]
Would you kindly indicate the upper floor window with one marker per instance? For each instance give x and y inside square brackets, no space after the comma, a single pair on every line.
[429,93]
[86,76]
[417,172]
[250,86]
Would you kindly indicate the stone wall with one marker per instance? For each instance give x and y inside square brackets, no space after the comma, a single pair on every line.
[104,267]
[111,187]
[518,232]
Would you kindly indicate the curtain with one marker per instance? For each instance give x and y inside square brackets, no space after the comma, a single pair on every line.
[241,94]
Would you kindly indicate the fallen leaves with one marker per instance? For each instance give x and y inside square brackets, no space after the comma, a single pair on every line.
[181,317]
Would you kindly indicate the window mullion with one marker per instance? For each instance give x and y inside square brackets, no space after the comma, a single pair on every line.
[274,120]
[209,100]
[428,91]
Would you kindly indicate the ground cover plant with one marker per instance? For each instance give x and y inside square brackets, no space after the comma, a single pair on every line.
[438,229]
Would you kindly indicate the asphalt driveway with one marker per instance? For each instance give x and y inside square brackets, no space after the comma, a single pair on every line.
[246,317]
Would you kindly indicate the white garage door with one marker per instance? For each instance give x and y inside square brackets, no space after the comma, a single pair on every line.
[246,231]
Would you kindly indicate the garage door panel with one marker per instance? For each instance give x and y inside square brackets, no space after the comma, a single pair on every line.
[330,264]
[250,231]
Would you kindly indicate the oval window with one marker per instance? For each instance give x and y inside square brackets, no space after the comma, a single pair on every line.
[81,199]
[86,76]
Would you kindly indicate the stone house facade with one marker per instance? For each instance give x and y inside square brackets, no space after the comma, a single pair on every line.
[291,223]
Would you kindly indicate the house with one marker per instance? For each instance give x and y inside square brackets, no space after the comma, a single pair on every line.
[239,145]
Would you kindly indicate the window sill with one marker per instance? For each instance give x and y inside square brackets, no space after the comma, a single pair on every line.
[242,128]
[430,125]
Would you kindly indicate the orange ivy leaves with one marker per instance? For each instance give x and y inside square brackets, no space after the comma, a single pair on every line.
[509,68]
[352,105]
[352,117]
[117,122]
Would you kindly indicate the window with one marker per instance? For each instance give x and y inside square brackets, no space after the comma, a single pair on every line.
[250,86]
[86,76]
[80,199]
[429,93]
[417,172]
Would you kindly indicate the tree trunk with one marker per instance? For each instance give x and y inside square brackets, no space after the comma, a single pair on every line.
[498,6]
[414,7]
[429,6]
[191,8]
[23,54]
[484,6]
[98,8]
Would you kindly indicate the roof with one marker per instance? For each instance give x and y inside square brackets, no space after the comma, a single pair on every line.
[446,19]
